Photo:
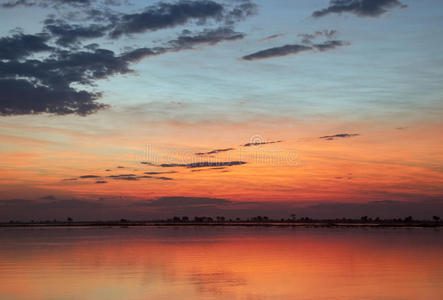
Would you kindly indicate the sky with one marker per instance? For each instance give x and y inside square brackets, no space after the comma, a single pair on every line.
[150,109]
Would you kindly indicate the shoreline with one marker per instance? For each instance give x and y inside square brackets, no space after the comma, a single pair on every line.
[313,224]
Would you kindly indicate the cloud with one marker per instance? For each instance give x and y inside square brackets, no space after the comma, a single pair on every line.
[330,45]
[48,210]
[133,177]
[308,37]
[214,168]
[49,197]
[163,178]
[45,86]
[362,8]
[340,135]
[128,177]
[383,209]
[12,4]
[66,34]
[101,181]
[158,173]
[88,176]
[277,51]
[166,15]
[209,36]
[204,164]
[260,143]
[21,45]
[169,202]
[63,82]
[214,151]
[54,3]
[271,37]
[295,49]
[158,178]
[166,207]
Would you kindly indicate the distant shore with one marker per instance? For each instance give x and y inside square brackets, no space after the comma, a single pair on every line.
[321,223]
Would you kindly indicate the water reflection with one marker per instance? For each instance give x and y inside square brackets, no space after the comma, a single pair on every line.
[220,263]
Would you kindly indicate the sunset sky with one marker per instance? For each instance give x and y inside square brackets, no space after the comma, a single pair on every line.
[148,109]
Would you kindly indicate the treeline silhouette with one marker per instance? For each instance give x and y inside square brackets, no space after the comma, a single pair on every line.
[292,220]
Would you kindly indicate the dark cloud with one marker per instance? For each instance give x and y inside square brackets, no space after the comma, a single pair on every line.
[166,207]
[204,164]
[295,49]
[45,85]
[49,210]
[20,97]
[308,37]
[63,82]
[214,168]
[101,181]
[128,177]
[49,197]
[159,173]
[330,45]
[88,176]
[163,178]
[277,51]
[11,4]
[382,209]
[158,178]
[67,35]
[271,37]
[260,143]
[362,8]
[166,15]
[21,45]
[208,36]
[240,12]
[214,151]
[168,202]
[337,136]
[54,3]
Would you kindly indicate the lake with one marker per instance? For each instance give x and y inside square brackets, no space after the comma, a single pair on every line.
[220,263]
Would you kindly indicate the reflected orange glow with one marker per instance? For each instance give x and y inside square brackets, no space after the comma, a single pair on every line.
[216,264]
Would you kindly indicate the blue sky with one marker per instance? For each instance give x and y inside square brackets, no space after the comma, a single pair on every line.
[370,76]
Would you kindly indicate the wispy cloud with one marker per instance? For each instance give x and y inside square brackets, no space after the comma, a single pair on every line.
[277,51]
[260,143]
[205,164]
[271,37]
[362,8]
[338,136]
[214,151]
[159,173]
[293,49]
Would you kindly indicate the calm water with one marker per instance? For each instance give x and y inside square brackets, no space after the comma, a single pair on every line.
[220,263]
